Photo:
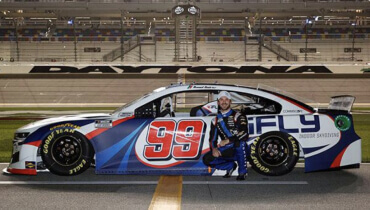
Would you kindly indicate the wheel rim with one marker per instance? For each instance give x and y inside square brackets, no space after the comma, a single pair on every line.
[273,151]
[66,150]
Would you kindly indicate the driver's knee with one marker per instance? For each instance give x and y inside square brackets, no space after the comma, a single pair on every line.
[208,158]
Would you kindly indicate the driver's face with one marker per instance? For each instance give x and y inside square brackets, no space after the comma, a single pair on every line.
[224,103]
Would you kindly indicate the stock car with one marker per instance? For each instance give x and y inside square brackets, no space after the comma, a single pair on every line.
[166,132]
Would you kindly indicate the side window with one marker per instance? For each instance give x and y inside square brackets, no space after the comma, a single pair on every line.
[161,107]
[253,105]
[193,104]
[147,111]
[166,108]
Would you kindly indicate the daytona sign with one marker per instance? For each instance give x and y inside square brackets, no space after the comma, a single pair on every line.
[178,69]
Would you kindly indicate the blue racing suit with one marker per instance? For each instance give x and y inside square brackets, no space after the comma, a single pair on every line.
[231,126]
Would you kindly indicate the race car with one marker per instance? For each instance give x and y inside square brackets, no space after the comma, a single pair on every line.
[166,132]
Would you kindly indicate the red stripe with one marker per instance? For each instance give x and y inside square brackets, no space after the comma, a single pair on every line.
[98,131]
[22,171]
[34,143]
[292,102]
[122,120]
[338,159]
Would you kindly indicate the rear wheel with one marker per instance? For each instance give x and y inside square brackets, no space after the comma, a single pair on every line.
[274,153]
[66,152]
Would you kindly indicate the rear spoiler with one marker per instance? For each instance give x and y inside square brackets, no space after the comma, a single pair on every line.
[344,103]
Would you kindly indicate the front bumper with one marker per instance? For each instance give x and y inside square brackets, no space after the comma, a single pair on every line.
[24,158]
[20,171]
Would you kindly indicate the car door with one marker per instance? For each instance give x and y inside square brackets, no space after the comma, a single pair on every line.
[174,142]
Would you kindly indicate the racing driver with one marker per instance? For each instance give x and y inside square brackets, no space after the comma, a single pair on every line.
[232,127]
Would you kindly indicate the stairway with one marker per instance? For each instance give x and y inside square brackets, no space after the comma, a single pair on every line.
[185,49]
[278,50]
[132,43]
[252,49]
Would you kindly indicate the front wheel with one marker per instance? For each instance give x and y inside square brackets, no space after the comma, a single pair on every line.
[274,153]
[66,152]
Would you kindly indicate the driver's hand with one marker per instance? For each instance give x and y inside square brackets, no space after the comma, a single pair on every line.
[224,142]
[216,152]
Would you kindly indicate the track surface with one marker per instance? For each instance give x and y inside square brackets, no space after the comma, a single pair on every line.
[345,189]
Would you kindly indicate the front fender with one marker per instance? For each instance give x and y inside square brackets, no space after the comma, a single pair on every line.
[25,159]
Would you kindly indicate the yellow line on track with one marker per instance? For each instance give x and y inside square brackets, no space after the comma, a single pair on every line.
[167,195]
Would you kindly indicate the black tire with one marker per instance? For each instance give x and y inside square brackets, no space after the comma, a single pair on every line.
[274,153]
[66,152]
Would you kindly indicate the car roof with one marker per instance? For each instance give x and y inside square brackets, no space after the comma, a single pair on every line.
[183,87]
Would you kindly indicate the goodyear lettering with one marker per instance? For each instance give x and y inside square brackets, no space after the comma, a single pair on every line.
[66,130]
[255,160]
[77,168]
[47,142]
[258,165]
[51,136]
[70,125]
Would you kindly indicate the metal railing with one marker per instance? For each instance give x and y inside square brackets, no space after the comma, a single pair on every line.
[227,49]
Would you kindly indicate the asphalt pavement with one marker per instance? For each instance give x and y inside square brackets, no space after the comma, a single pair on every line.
[343,189]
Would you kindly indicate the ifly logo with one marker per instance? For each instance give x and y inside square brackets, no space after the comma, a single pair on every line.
[266,123]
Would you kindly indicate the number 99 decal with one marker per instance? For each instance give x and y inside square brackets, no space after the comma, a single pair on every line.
[167,139]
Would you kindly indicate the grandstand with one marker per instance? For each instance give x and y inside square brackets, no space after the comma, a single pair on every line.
[149,31]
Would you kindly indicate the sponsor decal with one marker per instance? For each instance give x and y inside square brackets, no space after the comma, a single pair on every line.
[307,135]
[30,164]
[258,124]
[342,122]
[103,123]
[327,135]
[176,69]
[292,111]
[123,115]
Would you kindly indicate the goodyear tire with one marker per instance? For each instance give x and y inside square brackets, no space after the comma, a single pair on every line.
[66,152]
[274,153]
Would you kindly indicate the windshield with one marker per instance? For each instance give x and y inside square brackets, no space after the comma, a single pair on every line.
[119,109]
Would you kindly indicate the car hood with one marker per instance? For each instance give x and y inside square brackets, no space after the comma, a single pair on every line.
[41,123]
